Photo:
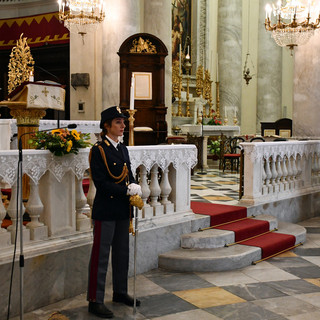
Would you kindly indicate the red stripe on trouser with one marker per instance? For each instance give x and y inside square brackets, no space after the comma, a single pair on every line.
[94,261]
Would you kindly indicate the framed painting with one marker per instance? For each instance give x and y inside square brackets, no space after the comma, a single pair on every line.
[181,28]
[143,85]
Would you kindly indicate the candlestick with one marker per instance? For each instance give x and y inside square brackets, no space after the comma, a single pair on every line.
[180,58]
[131,126]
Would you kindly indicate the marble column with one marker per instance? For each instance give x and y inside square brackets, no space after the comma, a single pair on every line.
[269,73]
[229,53]
[306,116]
[157,21]
[122,20]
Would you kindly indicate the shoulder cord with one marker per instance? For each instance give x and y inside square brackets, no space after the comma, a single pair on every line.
[124,172]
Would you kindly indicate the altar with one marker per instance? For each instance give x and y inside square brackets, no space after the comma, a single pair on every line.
[206,131]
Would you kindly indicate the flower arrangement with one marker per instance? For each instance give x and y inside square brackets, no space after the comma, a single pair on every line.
[60,141]
[214,147]
[214,121]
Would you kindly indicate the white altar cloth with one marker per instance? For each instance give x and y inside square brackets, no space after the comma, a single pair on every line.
[196,129]
[206,131]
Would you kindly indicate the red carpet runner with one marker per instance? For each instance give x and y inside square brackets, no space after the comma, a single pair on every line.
[271,243]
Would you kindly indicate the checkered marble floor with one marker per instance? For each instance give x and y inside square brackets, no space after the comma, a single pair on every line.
[284,287]
[215,187]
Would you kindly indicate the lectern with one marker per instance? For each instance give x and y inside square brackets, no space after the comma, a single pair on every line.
[27,104]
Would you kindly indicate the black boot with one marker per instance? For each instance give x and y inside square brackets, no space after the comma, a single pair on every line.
[125,298]
[100,310]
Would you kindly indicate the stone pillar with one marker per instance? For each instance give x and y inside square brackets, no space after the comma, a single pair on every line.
[122,20]
[306,116]
[229,53]
[157,21]
[269,73]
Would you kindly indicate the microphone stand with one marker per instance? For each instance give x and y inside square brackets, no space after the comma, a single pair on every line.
[20,214]
[202,138]
[52,75]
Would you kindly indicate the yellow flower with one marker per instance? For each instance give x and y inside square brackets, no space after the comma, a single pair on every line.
[69,145]
[75,134]
[56,131]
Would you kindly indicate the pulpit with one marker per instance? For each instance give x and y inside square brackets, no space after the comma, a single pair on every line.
[27,104]
[143,55]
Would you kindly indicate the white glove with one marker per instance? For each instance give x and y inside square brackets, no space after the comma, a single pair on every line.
[134,189]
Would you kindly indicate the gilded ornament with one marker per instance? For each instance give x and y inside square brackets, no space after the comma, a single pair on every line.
[143,46]
[175,79]
[199,80]
[20,64]
[136,201]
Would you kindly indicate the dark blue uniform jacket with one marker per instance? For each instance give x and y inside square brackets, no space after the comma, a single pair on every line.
[111,201]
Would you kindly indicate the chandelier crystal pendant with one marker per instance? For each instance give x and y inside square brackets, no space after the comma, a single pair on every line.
[84,15]
[293,26]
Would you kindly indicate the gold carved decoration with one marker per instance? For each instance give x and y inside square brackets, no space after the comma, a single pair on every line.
[27,116]
[20,64]
[199,80]
[142,46]
[175,79]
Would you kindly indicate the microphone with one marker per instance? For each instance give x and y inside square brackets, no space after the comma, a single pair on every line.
[70,126]
[44,70]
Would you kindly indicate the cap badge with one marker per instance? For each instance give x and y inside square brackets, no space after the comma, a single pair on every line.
[118,109]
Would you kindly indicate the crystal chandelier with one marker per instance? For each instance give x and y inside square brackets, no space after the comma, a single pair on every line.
[293,26]
[85,15]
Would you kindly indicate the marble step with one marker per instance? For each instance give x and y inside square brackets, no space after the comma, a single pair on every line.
[223,258]
[216,238]
[312,225]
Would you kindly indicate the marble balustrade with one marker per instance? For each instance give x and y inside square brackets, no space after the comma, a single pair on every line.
[280,170]
[58,206]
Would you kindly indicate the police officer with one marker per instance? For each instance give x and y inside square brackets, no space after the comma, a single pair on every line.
[114,182]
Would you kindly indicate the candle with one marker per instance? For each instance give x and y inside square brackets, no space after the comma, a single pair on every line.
[31,78]
[235,111]
[217,70]
[132,93]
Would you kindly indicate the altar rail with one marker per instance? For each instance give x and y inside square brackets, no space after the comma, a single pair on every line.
[280,170]
[57,204]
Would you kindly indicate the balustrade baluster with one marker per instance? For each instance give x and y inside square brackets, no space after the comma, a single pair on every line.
[35,208]
[91,194]
[290,173]
[165,192]
[155,192]
[82,221]
[299,172]
[12,212]
[294,172]
[280,174]
[268,174]
[285,173]
[147,211]
[318,169]
[5,237]
[274,174]
[314,169]
[264,177]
